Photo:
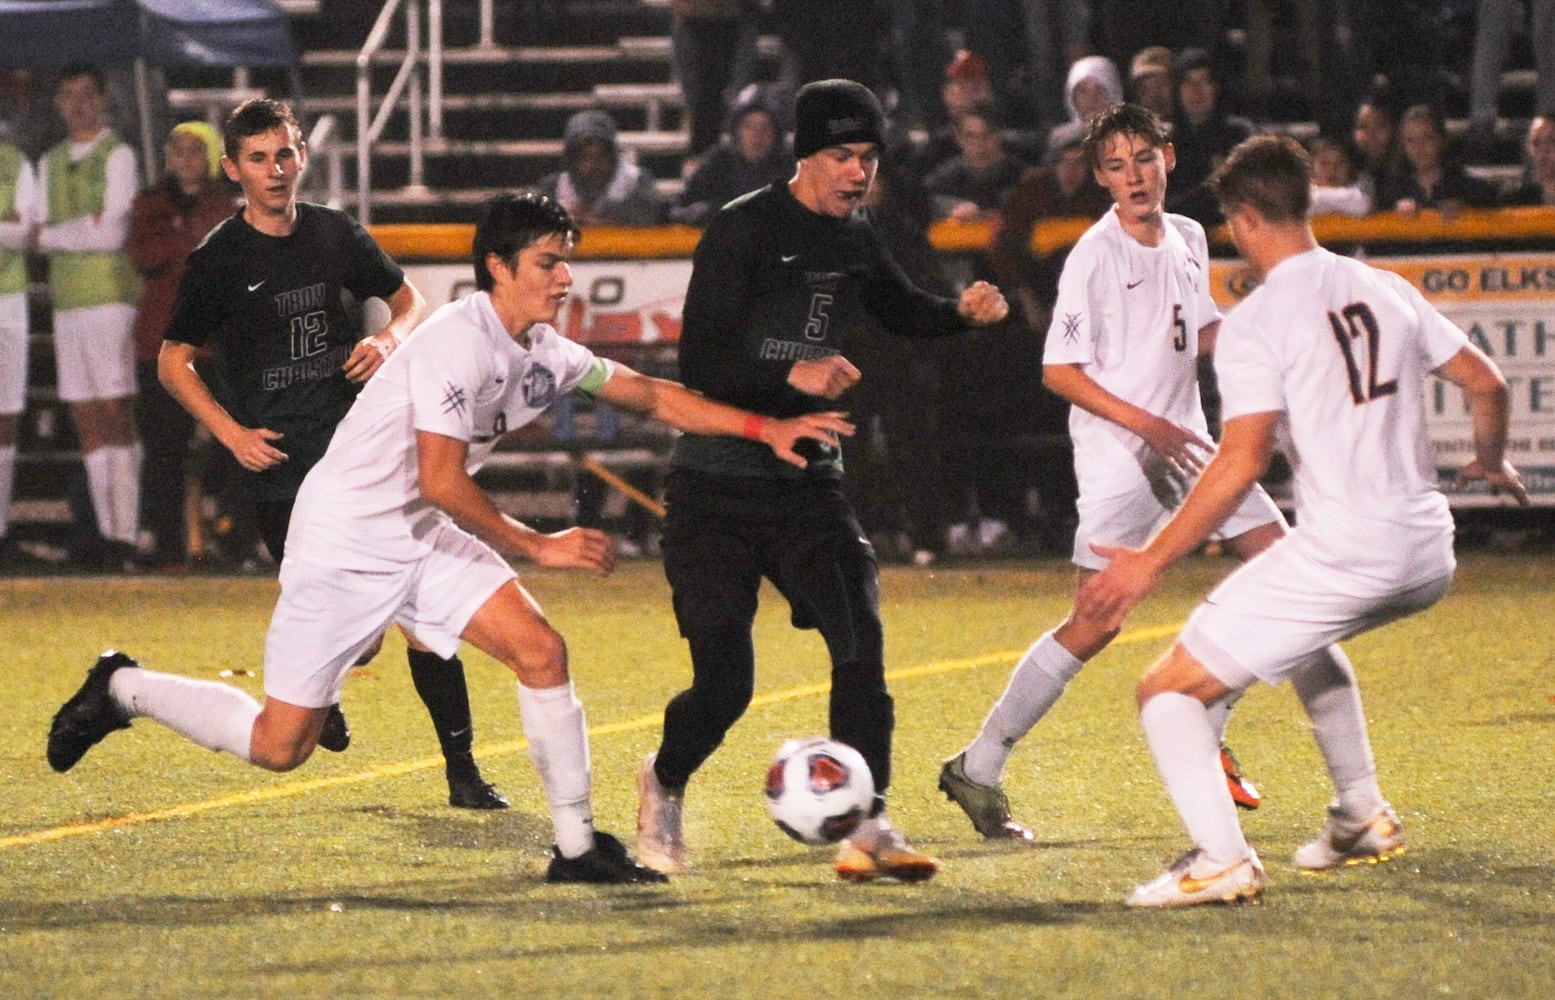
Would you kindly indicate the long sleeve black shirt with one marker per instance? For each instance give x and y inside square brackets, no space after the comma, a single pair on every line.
[773,283]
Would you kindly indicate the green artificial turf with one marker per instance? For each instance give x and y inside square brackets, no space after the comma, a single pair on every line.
[155,868]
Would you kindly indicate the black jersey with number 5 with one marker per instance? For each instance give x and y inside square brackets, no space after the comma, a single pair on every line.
[774,283]
[274,311]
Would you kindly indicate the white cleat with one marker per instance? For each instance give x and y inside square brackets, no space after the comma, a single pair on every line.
[1342,841]
[1188,883]
[660,844]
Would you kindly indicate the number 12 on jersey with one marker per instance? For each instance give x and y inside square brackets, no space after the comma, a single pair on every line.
[1357,322]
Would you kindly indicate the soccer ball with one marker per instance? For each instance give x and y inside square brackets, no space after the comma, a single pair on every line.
[818,790]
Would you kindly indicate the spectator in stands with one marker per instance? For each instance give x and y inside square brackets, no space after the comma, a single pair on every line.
[1375,133]
[1063,187]
[167,221]
[1432,176]
[755,154]
[972,185]
[1202,134]
[1495,22]
[1092,86]
[1150,81]
[1334,187]
[27,119]
[827,39]
[917,54]
[713,45]
[1538,187]
[88,182]
[597,184]
[18,189]
[967,84]
[897,475]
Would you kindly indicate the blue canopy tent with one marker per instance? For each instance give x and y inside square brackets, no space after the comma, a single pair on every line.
[51,33]
[47,34]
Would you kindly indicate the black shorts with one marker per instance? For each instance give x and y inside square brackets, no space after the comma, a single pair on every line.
[723,534]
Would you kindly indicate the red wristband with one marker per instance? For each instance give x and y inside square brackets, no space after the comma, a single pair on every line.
[753,425]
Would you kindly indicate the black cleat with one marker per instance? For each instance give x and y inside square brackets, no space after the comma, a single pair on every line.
[89,715]
[607,864]
[473,792]
[336,735]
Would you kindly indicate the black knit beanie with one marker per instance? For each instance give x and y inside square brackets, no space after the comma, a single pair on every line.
[835,113]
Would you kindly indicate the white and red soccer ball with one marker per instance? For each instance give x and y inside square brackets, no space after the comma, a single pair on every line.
[818,790]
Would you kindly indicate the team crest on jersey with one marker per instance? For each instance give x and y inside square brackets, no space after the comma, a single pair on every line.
[539,387]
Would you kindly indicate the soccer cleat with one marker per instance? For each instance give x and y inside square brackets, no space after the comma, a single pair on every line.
[471,791]
[1344,842]
[1242,882]
[877,849]
[336,735]
[89,715]
[660,843]
[607,863]
[1243,792]
[986,805]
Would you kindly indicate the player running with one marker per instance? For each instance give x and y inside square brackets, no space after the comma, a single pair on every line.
[390,528]
[1331,356]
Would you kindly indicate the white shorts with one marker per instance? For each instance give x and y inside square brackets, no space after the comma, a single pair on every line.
[1130,520]
[94,347]
[1284,605]
[13,353]
[328,617]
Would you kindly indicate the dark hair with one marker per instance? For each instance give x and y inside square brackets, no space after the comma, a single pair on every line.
[256,116]
[513,221]
[1270,173]
[1124,119]
[989,111]
[1431,114]
[99,78]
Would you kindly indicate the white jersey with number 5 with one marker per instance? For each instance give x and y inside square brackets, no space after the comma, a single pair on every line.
[1342,350]
[1131,315]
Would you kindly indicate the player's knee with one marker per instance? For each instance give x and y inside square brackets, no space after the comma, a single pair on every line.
[540,661]
[280,755]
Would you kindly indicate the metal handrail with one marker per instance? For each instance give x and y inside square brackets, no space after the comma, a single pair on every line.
[406,79]
[324,141]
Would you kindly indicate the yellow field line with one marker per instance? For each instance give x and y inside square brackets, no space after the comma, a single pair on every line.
[294,788]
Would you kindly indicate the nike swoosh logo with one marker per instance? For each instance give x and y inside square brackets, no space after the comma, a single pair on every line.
[788,258]
[255,286]
[1131,284]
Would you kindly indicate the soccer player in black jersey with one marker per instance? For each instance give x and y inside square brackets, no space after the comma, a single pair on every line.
[780,280]
[265,289]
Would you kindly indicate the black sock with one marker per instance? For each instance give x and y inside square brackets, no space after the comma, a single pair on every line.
[440,683]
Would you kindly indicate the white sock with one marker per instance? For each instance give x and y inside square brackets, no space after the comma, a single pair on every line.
[99,483]
[215,716]
[7,485]
[1188,757]
[124,461]
[558,745]
[1035,684]
[1220,714]
[1327,689]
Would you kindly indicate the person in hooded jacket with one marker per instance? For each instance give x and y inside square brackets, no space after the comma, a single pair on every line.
[755,154]
[597,184]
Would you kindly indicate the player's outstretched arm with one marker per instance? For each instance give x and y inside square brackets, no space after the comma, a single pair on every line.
[673,404]
[446,484]
[982,304]
[253,447]
[406,308]
[1131,574]
[1177,445]
[1489,413]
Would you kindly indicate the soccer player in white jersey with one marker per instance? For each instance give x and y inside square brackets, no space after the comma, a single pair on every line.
[1133,315]
[1330,356]
[389,528]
